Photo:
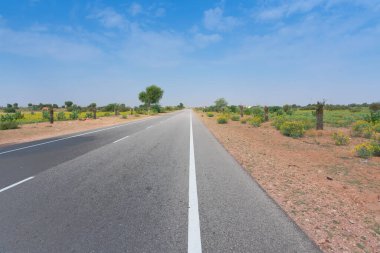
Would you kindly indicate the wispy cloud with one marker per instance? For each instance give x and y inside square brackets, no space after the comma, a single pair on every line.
[109,18]
[214,19]
[35,44]
[135,9]
[203,40]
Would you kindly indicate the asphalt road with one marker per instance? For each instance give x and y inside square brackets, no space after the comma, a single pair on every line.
[167,187]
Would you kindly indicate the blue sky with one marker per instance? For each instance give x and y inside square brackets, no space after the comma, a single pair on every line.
[249,52]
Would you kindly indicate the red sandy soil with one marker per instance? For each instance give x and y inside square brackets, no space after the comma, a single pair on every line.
[38,131]
[331,194]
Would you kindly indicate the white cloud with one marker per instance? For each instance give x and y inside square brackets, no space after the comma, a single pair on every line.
[35,44]
[215,20]
[135,9]
[288,9]
[109,18]
[203,40]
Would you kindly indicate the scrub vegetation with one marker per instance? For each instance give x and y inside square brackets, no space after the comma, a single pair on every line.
[13,115]
[295,121]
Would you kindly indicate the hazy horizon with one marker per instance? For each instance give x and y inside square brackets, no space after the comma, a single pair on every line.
[261,53]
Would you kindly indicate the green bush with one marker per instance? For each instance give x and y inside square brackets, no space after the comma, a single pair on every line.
[235,117]
[243,121]
[136,115]
[293,129]
[45,115]
[255,121]
[278,121]
[61,116]
[89,115]
[19,115]
[222,119]
[362,128]
[74,115]
[4,125]
[107,114]
[209,114]
[7,117]
[124,116]
[365,150]
[376,127]
[340,139]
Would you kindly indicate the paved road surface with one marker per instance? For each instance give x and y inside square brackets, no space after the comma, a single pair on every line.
[167,187]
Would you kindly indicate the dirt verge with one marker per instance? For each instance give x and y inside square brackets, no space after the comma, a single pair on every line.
[39,131]
[331,194]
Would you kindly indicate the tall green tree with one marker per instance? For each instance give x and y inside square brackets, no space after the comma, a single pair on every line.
[220,104]
[151,95]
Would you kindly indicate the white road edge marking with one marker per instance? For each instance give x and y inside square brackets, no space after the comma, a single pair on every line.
[121,139]
[194,234]
[13,185]
[70,137]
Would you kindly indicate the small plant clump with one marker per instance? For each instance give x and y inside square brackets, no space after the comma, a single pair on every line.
[210,115]
[365,150]
[341,139]
[235,117]
[8,121]
[124,116]
[255,121]
[222,119]
[293,129]
[362,128]
[74,115]
[243,121]
[61,116]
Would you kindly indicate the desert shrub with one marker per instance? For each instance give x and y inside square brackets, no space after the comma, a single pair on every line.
[124,116]
[222,119]
[7,117]
[255,121]
[340,139]
[278,121]
[210,114]
[235,117]
[4,125]
[136,115]
[373,117]
[61,116]
[243,121]
[362,128]
[107,114]
[19,115]
[293,129]
[89,115]
[376,127]
[74,115]
[365,150]
[45,115]
[376,148]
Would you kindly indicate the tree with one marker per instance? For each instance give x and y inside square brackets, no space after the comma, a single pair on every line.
[68,103]
[30,105]
[55,106]
[220,104]
[374,107]
[151,95]
[15,105]
[319,115]
[92,108]
[181,106]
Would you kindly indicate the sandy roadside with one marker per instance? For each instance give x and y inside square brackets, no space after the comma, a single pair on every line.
[39,131]
[331,194]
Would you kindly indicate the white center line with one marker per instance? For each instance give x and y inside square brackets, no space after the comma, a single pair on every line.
[13,185]
[121,139]
[194,235]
